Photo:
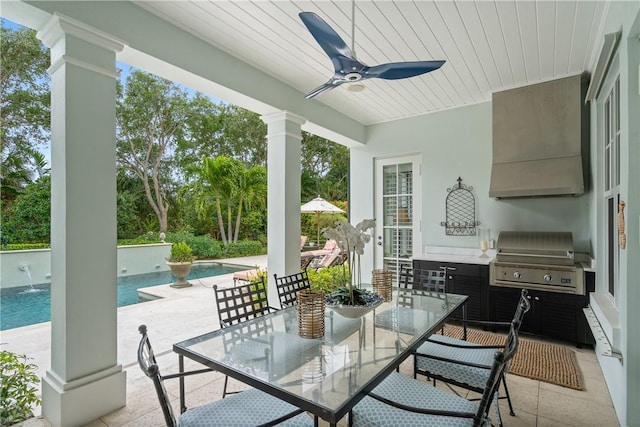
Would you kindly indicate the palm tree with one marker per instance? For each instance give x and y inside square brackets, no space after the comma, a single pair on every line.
[227,185]
[216,186]
[251,189]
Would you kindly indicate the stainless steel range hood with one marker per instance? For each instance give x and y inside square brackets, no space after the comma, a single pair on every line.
[539,135]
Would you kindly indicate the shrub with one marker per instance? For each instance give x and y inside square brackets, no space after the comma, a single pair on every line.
[28,220]
[18,390]
[203,246]
[328,279]
[143,239]
[181,252]
[243,248]
[24,246]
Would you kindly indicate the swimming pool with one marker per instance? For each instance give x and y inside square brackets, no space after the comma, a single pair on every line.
[28,305]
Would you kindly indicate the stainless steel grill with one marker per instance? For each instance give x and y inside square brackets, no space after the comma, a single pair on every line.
[536,260]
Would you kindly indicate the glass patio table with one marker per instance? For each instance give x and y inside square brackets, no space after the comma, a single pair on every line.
[327,376]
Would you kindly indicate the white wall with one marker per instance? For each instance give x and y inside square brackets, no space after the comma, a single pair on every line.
[457,143]
[135,259]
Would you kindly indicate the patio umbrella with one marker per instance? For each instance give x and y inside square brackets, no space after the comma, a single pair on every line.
[318,206]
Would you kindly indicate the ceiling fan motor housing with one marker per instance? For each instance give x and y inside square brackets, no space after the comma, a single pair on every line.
[353,77]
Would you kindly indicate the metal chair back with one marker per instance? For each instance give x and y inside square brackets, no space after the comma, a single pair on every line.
[242,303]
[289,286]
[148,364]
[498,371]
[419,279]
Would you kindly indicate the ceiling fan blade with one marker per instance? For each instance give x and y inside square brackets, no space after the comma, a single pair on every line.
[402,70]
[327,38]
[333,83]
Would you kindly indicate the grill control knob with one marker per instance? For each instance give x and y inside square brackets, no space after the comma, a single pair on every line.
[517,275]
[547,277]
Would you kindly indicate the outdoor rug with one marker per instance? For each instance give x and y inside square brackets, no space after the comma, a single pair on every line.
[540,361]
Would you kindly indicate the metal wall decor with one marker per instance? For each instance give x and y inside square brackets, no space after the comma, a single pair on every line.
[461,211]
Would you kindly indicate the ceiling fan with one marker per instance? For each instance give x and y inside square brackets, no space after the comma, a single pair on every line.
[348,68]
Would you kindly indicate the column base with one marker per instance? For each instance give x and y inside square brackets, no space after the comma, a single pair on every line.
[85,399]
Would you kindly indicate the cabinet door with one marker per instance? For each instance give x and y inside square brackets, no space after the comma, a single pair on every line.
[470,286]
[557,315]
[503,304]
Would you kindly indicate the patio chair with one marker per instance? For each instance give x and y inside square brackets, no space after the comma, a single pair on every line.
[329,247]
[251,407]
[338,259]
[289,286]
[305,261]
[239,304]
[402,400]
[466,364]
[427,280]
[331,260]
[246,276]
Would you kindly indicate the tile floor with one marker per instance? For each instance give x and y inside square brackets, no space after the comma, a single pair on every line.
[536,403]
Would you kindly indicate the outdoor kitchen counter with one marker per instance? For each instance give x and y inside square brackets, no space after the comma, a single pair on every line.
[455,255]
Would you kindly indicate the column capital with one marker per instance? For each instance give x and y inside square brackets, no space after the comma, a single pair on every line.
[283,115]
[60,25]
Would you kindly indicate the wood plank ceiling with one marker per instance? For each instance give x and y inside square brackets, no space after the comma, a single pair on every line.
[488,45]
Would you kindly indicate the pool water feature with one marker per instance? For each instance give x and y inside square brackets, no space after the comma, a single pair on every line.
[28,305]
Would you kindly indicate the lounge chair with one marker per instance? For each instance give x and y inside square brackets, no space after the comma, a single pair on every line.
[331,246]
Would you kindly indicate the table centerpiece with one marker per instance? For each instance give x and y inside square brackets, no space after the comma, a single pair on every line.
[351,300]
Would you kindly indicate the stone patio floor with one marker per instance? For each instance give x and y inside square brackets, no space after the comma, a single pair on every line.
[187,312]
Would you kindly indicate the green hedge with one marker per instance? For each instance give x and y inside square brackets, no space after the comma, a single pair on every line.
[204,247]
[144,239]
[243,248]
[24,246]
[207,247]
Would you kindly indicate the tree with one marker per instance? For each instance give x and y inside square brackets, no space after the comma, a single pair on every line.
[25,104]
[245,134]
[225,188]
[325,166]
[222,130]
[250,190]
[202,135]
[29,217]
[150,117]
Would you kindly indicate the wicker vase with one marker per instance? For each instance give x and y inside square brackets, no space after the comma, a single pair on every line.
[311,306]
[381,281]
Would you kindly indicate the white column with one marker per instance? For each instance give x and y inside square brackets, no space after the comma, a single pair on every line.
[85,380]
[283,204]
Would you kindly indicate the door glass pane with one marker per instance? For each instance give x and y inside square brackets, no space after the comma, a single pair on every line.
[405,243]
[405,213]
[389,242]
[390,207]
[389,180]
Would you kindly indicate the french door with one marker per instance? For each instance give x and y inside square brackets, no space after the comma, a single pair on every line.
[398,212]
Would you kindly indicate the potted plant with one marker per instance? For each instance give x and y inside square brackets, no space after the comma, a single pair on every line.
[352,300]
[180,262]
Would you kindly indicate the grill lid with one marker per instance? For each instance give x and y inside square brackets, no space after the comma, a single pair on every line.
[535,247]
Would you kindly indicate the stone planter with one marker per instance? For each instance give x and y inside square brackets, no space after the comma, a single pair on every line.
[180,270]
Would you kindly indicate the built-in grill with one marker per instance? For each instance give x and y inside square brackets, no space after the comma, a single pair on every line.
[536,260]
